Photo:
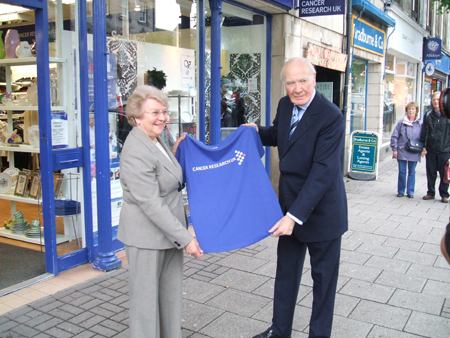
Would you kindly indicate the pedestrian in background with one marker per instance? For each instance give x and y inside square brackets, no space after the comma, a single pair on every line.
[436,147]
[152,222]
[408,128]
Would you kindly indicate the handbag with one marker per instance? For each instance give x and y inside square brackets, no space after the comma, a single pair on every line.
[414,146]
[446,178]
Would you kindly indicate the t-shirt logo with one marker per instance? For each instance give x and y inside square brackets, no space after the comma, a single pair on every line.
[240,156]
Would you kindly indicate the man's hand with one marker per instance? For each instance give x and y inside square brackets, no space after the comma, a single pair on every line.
[254,125]
[193,248]
[283,227]
[177,143]
[394,154]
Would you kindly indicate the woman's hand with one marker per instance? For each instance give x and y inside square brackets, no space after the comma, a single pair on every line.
[394,154]
[424,152]
[177,143]
[193,248]
[254,125]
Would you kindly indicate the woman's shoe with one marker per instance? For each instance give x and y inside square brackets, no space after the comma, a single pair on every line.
[400,194]
[410,196]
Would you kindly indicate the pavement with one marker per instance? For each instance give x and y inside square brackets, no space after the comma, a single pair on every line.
[393,280]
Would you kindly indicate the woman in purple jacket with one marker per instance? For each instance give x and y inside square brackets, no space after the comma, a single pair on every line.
[408,128]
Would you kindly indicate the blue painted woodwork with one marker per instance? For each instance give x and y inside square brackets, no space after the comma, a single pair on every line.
[106,259]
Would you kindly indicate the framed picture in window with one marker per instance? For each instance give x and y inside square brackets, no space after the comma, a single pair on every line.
[35,189]
[21,186]
[58,184]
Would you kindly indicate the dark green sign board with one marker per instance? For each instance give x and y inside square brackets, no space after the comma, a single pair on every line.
[364,153]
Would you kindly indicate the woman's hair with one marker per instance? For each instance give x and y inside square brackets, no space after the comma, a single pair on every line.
[136,101]
[412,104]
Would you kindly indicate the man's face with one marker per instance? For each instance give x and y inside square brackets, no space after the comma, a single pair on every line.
[91,122]
[299,82]
[435,102]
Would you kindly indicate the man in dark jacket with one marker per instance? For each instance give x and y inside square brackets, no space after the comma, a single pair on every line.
[238,112]
[308,131]
[436,142]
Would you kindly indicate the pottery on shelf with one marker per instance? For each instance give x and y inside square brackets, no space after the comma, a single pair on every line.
[2,47]
[12,40]
[33,48]
[23,50]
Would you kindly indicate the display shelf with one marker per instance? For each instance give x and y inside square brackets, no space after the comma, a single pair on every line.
[32,108]
[15,198]
[20,237]
[28,61]
[23,148]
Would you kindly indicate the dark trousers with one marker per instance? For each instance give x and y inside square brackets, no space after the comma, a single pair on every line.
[324,272]
[435,163]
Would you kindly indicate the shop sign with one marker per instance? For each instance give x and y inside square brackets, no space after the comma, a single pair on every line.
[429,68]
[326,89]
[60,130]
[405,38]
[432,49]
[364,155]
[320,7]
[442,65]
[325,57]
[368,37]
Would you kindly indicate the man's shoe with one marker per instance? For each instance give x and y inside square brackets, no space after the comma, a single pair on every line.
[400,194]
[428,197]
[410,196]
[444,200]
[269,334]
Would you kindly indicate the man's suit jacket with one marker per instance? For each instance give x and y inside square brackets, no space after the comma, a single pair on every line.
[311,186]
[152,215]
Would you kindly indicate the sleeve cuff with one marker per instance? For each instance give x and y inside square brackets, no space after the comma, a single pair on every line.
[294,218]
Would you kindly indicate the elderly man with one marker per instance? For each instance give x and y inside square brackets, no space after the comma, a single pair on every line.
[436,142]
[309,133]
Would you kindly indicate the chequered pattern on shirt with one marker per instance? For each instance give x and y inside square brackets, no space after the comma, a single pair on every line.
[239,156]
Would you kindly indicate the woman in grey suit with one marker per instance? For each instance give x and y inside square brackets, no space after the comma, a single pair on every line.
[152,222]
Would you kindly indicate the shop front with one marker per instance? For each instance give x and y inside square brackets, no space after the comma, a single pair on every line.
[370,40]
[79,114]
[403,80]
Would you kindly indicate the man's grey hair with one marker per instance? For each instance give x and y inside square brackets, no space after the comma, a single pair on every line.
[297,59]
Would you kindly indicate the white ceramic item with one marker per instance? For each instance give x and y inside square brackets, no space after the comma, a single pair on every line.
[23,50]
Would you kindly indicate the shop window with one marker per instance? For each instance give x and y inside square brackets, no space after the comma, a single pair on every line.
[400,69]
[143,13]
[358,97]
[243,59]
[399,90]
[390,63]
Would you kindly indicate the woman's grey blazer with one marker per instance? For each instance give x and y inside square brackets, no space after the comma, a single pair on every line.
[152,215]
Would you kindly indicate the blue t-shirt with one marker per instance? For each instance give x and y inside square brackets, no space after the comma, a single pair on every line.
[231,199]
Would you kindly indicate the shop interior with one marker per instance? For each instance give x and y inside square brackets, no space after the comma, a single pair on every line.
[147,40]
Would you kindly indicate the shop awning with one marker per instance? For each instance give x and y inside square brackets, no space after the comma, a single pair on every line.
[373,12]
[268,6]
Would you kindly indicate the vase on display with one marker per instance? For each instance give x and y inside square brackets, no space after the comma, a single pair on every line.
[12,40]
[2,47]
[33,48]
[23,50]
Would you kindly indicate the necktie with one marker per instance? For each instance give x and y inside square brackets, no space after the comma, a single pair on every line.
[296,115]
